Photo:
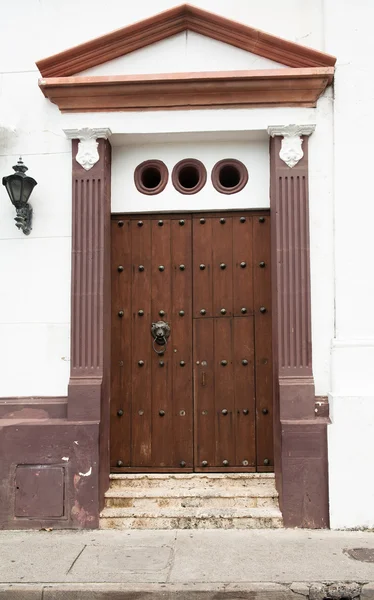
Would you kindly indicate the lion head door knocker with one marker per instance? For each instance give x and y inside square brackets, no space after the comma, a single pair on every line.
[160,332]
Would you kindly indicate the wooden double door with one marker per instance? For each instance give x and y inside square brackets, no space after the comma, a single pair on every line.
[201,398]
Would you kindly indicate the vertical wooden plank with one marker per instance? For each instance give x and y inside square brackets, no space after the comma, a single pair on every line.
[242,265]
[202,277]
[181,341]
[263,342]
[204,388]
[224,393]
[120,426]
[222,256]
[161,387]
[141,344]
[245,399]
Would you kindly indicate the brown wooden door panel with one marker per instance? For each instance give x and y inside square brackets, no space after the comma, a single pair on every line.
[156,430]
[180,346]
[242,266]
[224,394]
[202,240]
[121,389]
[206,403]
[263,344]
[161,377]
[245,392]
[222,266]
[141,442]
[204,392]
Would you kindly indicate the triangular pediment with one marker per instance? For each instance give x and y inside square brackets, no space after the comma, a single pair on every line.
[186,52]
[162,26]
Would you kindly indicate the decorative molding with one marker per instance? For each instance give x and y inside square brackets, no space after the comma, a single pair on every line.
[291,148]
[268,87]
[171,22]
[87,155]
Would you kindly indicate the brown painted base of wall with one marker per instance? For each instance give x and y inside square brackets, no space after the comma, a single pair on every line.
[304,480]
[49,474]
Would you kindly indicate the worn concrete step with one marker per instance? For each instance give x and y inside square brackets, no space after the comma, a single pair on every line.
[255,481]
[191,518]
[198,498]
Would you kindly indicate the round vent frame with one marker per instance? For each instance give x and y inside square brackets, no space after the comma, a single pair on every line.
[241,173]
[184,169]
[140,175]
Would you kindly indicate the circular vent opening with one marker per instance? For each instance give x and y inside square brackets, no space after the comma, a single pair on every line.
[189,176]
[229,176]
[151,177]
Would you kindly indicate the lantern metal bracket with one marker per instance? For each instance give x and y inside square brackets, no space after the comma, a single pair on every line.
[23,218]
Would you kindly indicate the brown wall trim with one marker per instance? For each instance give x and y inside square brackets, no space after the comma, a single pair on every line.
[33,408]
[301,438]
[322,408]
[173,21]
[269,87]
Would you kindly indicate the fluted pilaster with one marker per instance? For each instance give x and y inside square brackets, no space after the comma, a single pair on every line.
[90,280]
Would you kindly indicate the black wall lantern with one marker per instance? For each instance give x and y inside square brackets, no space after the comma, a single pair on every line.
[19,187]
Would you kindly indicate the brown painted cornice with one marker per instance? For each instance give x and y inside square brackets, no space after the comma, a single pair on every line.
[174,21]
[270,87]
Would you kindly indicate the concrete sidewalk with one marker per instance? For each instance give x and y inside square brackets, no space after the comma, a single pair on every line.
[201,565]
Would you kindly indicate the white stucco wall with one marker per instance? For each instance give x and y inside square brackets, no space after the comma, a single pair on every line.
[35,270]
[254,154]
[351,439]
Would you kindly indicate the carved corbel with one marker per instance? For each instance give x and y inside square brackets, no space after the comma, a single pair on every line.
[87,155]
[291,148]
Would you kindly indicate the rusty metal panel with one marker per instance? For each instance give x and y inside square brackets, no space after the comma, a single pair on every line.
[39,491]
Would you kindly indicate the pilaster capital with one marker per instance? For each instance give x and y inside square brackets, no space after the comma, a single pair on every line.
[291,148]
[88,154]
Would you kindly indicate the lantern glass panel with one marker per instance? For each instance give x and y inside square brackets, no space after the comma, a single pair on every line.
[15,191]
[28,186]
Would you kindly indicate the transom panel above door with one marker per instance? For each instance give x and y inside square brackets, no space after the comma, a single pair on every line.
[191,365]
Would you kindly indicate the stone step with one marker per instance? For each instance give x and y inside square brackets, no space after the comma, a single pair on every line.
[191,518]
[149,499]
[257,482]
